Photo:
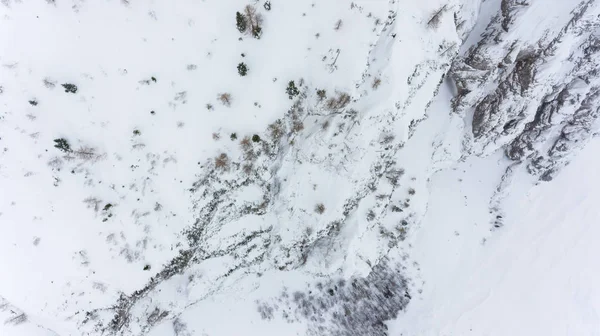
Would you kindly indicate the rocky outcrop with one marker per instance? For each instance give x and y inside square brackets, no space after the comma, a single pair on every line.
[534,98]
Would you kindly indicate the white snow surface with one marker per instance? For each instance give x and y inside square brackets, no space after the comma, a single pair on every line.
[77,232]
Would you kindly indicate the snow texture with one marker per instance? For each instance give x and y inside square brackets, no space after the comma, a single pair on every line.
[188,168]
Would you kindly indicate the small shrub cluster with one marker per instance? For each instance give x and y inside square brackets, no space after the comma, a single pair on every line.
[291,90]
[249,22]
[394,175]
[276,130]
[320,208]
[358,306]
[70,88]
[242,69]
[339,102]
[222,161]
[321,95]
[247,168]
[294,114]
[62,144]
[240,22]
[180,328]
[247,148]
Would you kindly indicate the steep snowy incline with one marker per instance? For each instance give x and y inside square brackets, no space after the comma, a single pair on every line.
[537,276]
[303,168]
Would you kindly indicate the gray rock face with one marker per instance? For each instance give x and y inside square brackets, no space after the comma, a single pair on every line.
[535,98]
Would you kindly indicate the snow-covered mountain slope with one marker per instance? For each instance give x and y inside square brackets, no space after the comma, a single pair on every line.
[298,168]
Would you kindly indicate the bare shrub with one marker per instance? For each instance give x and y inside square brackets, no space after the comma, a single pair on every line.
[247,168]
[180,328]
[297,126]
[386,138]
[16,320]
[56,163]
[156,316]
[339,102]
[246,143]
[345,307]
[434,21]
[394,175]
[338,25]
[87,153]
[320,208]
[216,136]
[222,161]
[376,83]
[225,99]
[265,311]
[93,203]
[276,130]
[412,191]
[49,83]
[247,148]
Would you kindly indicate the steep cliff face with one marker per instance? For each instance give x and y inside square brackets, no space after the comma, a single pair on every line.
[306,212]
[531,91]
